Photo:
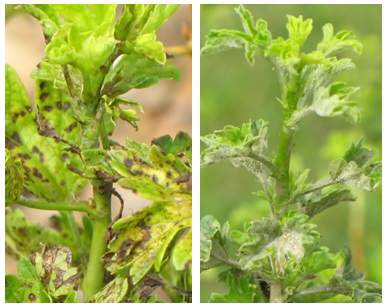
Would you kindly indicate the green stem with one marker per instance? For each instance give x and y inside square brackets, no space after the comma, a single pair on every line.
[75,234]
[94,276]
[283,165]
[276,293]
[290,93]
[81,206]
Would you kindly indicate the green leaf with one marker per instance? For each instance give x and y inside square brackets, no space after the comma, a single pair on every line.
[84,40]
[318,203]
[242,289]
[26,286]
[46,16]
[352,283]
[141,242]
[182,252]
[139,19]
[149,46]
[332,44]
[246,19]
[134,70]
[209,228]
[182,143]
[358,154]
[221,40]
[24,238]
[159,15]
[298,29]
[285,52]
[95,17]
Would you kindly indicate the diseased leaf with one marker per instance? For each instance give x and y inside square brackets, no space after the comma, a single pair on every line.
[24,238]
[235,142]
[331,44]
[14,178]
[153,172]
[113,292]
[47,277]
[26,286]
[348,172]
[140,242]
[181,144]
[209,227]
[318,203]
[41,157]
[53,266]
[279,256]
[255,37]
[220,40]
[326,98]
[182,252]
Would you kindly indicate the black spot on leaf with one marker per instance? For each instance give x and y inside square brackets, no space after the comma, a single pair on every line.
[16,137]
[43,96]
[36,151]
[71,127]
[63,105]
[37,173]
[128,162]
[24,156]
[47,108]
[32,297]
[64,156]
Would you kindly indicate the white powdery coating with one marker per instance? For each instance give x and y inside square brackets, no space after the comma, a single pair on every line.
[288,246]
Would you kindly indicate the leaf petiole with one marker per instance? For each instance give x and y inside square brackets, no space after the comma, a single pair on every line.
[81,206]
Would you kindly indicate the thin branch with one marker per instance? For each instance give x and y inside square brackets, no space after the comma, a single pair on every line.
[81,206]
[179,50]
[121,202]
[228,261]
[321,186]
[316,188]
[68,80]
[264,161]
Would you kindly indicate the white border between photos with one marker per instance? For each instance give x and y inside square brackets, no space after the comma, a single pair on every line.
[195,119]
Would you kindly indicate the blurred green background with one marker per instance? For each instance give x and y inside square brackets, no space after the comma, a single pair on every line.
[232,92]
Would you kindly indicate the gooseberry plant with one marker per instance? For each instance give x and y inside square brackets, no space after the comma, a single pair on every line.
[279,257]
[62,142]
